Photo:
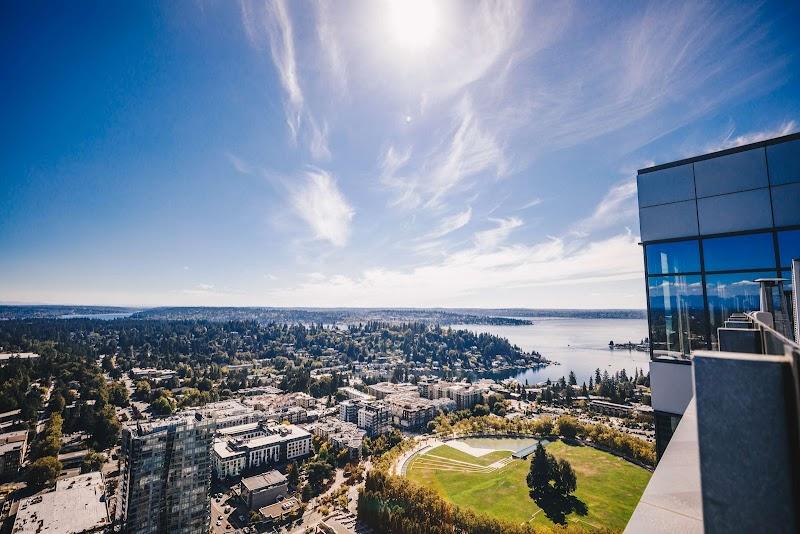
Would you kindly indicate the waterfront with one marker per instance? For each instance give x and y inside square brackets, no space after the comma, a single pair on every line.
[580,345]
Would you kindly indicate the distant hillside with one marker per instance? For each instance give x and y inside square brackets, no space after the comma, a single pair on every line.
[444,316]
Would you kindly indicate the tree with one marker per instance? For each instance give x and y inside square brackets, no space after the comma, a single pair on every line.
[44,471]
[92,462]
[572,380]
[142,391]
[118,394]
[293,474]
[567,426]
[162,406]
[106,428]
[564,478]
[480,409]
[539,474]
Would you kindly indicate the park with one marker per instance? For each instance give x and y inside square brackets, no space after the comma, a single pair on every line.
[488,479]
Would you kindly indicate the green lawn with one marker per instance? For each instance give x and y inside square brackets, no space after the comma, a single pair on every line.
[609,486]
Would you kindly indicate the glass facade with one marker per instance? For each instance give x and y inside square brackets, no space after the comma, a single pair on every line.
[694,285]
[751,251]
[673,257]
[677,316]
[789,246]
[711,226]
[731,293]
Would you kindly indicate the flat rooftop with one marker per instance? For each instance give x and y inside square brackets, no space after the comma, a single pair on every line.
[78,504]
[264,480]
[4,356]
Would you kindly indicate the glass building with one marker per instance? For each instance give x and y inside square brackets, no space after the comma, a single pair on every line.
[710,227]
[167,474]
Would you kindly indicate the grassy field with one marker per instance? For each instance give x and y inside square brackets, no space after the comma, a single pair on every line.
[608,486]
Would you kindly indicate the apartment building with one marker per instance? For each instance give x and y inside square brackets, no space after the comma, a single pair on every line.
[257,445]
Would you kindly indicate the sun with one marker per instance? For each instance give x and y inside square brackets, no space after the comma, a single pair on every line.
[413,24]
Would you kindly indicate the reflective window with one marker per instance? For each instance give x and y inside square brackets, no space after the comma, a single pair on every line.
[731,293]
[739,171]
[789,246]
[677,319]
[676,257]
[739,252]
[784,162]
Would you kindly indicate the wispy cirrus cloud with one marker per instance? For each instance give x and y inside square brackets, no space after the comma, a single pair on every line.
[489,239]
[531,203]
[269,22]
[330,45]
[323,207]
[470,149]
[617,206]
[451,224]
[318,144]
[239,164]
[681,61]
[730,139]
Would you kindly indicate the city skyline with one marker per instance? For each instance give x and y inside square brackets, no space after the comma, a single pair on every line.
[377,155]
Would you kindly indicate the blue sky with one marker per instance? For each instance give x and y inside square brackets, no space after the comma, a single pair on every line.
[373,153]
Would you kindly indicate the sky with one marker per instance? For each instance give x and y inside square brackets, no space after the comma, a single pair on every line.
[378,153]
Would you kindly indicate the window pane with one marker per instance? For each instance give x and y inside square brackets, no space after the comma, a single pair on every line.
[752,251]
[677,319]
[784,162]
[789,246]
[731,293]
[678,257]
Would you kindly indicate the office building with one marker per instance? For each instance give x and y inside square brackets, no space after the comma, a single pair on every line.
[264,489]
[710,227]
[77,505]
[167,474]
[720,235]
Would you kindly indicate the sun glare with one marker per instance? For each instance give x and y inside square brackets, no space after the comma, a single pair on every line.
[412,23]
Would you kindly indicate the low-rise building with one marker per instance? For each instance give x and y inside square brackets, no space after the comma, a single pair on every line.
[77,505]
[12,451]
[292,414]
[151,373]
[231,413]
[340,434]
[411,412]
[255,445]
[382,390]
[354,394]
[264,489]
[5,357]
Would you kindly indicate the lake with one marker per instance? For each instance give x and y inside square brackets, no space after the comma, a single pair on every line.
[580,345]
